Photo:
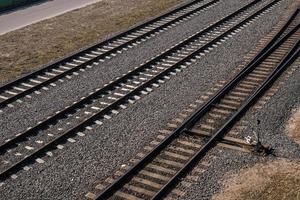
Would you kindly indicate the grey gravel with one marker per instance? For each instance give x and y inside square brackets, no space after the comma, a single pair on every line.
[76,169]
[273,116]
[35,109]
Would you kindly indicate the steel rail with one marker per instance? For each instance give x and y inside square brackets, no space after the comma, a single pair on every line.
[91,61]
[278,34]
[110,86]
[50,145]
[288,59]
[187,124]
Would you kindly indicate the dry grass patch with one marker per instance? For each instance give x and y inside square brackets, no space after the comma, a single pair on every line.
[293,126]
[277,180]
[32,46]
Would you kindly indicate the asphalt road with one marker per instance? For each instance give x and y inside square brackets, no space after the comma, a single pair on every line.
[26,15]
[76,169]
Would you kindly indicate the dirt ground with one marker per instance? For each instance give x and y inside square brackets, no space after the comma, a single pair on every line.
[277,180]
[293,126]
[35,45]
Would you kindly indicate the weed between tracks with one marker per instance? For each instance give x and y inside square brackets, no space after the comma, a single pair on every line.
[30,47]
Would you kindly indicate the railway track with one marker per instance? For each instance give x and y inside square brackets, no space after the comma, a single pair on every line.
[47,135]
[63,69]
[159,170]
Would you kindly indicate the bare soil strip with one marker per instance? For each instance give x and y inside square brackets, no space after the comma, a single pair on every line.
[293,126]
[277,180]
[30,47]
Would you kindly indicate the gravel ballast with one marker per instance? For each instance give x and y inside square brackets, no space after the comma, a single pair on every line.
[274,117]
[71,172]
[38,107]
[28,48]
